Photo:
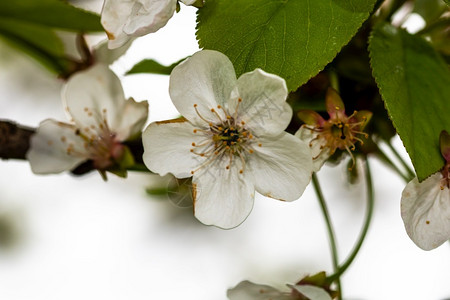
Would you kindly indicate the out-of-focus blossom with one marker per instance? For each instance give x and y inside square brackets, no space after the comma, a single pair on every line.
[247,290]
[101,119]
[123,19]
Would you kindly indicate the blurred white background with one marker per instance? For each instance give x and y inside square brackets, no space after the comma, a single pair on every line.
[82,238]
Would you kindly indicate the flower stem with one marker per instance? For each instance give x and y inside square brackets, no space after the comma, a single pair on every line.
[331,235]
[334,80]
[362,236]
[402,161]
[390,163]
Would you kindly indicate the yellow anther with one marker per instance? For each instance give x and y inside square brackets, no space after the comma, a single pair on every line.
[241,171]
[259,145]
[193,144]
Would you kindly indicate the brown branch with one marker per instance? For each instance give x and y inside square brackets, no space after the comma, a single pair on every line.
[14,140]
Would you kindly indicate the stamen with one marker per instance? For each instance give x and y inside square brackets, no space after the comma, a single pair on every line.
[215,112]
[199,115]
[237,108]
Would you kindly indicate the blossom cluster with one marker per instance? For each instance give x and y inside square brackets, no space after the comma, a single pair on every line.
[230,138]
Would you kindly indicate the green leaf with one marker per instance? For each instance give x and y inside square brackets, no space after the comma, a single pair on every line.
[39,42]
[153,67]
[51,13]
[414,82]
[294,39]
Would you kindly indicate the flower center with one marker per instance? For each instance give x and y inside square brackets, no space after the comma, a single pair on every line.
[225,138]
[339,134]
[99,142]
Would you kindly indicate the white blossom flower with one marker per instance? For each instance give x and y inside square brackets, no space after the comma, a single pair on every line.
[247,290]
[123,19]
[425,206]
[101,119]
[338,132]
[425,209]
[232,140]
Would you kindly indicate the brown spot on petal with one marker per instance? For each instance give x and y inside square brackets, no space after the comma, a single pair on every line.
[194,195]
[271,196]
[428,222]
[110,35]
[178,120]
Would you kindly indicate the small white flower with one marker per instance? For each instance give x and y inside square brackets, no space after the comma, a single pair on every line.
[123,19]
[247,290]
[425,211]
[101,120]
[232,142]
[425,206]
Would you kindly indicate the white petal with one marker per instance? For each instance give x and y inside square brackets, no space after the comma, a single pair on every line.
[247,290]
[312,292]
[426,212]
[223,198]
[206,79]
[115,14]
[94,94]
[263,105]
[149,16]
[167,148]
[48,148]
[124,18]
[188,2]
[132,119]
[320,155]
[281,168]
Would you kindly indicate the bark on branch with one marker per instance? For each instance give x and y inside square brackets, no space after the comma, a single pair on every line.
[14,140]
